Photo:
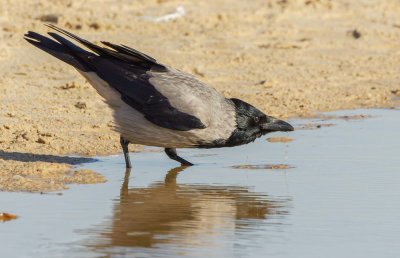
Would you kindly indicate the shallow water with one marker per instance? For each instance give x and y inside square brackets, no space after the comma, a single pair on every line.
[337,197]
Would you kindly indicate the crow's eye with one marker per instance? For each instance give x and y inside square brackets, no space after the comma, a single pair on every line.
[256,119]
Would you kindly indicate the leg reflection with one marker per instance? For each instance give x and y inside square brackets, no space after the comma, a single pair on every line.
[125,183]
[170,178]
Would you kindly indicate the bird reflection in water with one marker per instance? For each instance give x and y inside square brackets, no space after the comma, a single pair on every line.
[185,215]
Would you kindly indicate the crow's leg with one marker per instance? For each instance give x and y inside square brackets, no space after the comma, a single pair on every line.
[171,152]
[124,145]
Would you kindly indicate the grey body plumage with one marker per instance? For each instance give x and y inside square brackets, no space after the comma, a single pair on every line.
[157,105]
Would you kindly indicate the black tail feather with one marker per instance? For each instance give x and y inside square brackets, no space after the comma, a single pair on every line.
[65,52]
[70,53]
[91,46]
[120,52]
[68,44]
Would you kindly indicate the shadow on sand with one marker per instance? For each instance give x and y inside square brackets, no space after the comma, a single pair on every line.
[30,157]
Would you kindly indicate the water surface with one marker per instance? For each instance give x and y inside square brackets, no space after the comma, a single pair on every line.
[337,197]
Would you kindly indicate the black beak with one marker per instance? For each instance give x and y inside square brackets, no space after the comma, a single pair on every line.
[277,125]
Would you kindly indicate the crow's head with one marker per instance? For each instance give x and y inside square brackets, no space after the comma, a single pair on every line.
[251,123]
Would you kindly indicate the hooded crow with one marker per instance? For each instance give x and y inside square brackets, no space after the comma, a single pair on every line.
[157,105]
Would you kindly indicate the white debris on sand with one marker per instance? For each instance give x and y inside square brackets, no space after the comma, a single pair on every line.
[180,12]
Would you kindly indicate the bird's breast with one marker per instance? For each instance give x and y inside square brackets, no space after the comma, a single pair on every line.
[132,124]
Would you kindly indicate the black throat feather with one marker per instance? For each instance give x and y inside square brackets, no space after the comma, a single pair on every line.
[245,132]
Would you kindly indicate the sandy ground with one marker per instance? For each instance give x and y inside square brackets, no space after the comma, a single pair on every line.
[289,58]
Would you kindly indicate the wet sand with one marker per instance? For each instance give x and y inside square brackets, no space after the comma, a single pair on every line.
[289,58]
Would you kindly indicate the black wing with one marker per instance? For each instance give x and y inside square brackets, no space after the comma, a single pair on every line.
[123,68]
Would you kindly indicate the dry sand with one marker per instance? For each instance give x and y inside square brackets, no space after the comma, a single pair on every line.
[290,58]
